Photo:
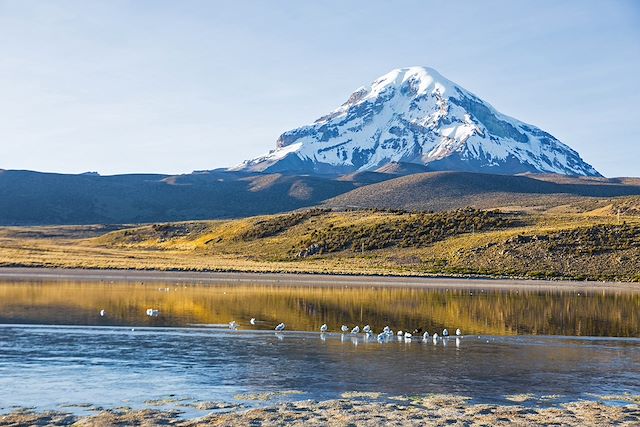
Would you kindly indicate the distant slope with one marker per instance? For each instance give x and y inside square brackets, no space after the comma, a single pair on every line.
[450,190]
[32,198]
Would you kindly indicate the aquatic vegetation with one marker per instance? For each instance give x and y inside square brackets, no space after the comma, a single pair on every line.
[520,397]
[361,395]
[438,410]
[269,395]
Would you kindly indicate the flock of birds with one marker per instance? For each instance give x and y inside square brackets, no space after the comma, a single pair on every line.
[385,335]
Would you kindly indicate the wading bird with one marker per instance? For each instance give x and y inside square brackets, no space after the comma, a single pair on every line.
[280,327]
[324,328]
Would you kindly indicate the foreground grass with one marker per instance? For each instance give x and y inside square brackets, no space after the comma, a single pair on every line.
[597,245]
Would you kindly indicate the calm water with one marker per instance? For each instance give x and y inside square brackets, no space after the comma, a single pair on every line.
[186,355]
[516,312]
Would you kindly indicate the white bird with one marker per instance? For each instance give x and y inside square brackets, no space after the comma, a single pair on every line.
[355,330]
[382,336]
[458,332]
[386,329]
[252,321]
[233,325]
[399,333]
[344,328]
[445,333]
[102,313]
[153,312]
[280,327]
[324,328]
[425,336]
[366,329]
[435,337]
[407,335]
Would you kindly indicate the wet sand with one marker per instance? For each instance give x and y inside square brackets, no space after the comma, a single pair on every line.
[293,279]
[359,410]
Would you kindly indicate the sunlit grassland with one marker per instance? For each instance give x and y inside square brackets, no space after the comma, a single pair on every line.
[469,243]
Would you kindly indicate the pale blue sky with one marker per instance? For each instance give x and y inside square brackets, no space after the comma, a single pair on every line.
[174,86]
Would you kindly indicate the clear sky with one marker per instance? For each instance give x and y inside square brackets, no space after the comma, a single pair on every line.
[174,86]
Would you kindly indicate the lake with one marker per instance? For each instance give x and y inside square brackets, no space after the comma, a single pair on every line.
[57,351]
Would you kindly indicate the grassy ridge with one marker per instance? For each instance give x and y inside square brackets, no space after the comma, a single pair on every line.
[595,244]
[406,230]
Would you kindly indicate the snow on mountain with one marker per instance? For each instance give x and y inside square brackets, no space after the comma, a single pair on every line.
[415,115]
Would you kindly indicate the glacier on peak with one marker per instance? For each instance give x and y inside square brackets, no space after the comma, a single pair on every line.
[415,115]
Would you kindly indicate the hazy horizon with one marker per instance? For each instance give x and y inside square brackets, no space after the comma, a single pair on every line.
[172,87]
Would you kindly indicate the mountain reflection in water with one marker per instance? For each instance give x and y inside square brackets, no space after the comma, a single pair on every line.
[489,312]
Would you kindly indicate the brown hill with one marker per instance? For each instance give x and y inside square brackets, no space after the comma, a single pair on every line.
[450,190]
[33,198]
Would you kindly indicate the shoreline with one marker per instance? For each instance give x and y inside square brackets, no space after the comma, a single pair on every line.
[303,279]
[352,409]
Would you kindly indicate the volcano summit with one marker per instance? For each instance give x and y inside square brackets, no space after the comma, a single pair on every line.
[416,116]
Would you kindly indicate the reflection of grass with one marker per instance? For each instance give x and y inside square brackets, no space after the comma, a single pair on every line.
[455,243]
[306,308]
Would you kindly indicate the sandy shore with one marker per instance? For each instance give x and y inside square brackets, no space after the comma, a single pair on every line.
[416,411]
[292,279]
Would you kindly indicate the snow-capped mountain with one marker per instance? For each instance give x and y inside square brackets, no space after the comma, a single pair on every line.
[415,115]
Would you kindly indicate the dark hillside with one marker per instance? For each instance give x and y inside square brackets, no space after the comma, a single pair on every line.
[452,190]
[32,198]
